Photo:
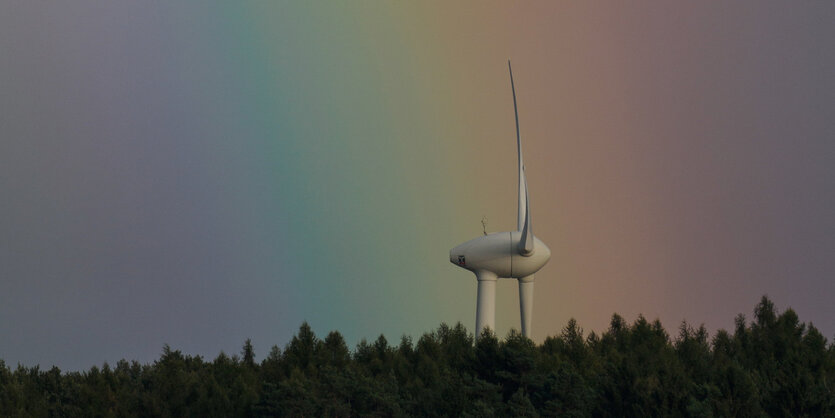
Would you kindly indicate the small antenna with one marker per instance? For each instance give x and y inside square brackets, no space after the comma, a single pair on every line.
[484,224]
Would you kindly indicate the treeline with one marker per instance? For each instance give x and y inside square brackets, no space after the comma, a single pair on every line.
[773,365]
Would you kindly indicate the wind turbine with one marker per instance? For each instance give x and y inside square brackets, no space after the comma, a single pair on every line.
[514,255]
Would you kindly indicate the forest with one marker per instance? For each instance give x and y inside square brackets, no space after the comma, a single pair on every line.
[770,365]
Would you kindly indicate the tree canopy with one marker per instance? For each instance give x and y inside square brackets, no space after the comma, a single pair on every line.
[774,365]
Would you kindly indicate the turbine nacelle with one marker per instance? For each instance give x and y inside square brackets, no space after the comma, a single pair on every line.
[499,254]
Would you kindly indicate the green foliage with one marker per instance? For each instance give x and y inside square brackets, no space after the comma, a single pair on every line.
[775,366]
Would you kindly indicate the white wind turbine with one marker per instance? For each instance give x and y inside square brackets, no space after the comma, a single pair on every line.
[514,255]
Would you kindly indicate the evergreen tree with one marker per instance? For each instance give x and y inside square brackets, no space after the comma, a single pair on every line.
[775,365]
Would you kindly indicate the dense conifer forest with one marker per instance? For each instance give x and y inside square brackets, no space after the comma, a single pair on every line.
[773,365]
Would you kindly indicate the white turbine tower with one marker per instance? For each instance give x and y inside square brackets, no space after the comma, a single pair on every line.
[514,255]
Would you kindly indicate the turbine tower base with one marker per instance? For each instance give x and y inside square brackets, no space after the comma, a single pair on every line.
[485,315]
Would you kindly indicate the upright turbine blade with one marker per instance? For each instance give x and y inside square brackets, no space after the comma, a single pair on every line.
[520,215]
[523,217]
[526,240]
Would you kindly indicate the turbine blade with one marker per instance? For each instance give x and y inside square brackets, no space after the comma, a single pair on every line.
[526,240]
[523,216]
[526,304]
[522,202]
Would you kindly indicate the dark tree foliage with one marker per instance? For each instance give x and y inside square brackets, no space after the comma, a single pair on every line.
[772,366]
